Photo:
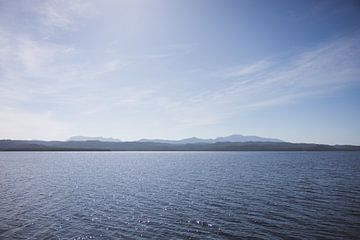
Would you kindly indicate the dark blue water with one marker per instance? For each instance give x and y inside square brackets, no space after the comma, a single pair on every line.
[179,195]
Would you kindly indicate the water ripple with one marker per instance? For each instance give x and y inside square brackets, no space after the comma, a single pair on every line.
[180,195]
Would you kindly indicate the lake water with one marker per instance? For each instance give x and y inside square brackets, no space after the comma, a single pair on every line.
[179,195]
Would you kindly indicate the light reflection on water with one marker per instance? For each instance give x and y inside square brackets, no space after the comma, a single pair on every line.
[180,195]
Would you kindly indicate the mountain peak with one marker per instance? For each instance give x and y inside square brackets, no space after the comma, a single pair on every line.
[101,139]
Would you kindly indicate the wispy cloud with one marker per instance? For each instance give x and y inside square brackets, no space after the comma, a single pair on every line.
[29,55]
[65,14]
[313,72]
[248,69]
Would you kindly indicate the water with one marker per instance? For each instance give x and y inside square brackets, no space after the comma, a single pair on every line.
[179,195]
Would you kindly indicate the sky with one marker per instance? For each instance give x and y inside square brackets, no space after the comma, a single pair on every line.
[132,69]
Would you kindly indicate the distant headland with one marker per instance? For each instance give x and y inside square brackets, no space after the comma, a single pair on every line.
[229,143]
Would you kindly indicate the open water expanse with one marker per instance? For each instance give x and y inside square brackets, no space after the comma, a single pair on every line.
[179,195]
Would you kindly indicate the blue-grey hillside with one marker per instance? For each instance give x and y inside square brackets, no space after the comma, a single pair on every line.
[30,145]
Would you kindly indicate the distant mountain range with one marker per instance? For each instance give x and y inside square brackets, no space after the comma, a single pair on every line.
[95,145]
[231,138]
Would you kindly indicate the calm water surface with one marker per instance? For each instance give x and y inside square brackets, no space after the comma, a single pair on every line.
[179,195]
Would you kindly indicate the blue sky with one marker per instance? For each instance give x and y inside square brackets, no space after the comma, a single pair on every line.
[179,68]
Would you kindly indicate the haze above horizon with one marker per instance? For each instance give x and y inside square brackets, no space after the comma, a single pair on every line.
[173,69]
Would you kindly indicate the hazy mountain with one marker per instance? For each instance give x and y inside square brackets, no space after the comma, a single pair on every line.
[28,145]
[102,139]
[231,138]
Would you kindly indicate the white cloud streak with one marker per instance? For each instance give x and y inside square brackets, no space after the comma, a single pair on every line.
[312,73]
[249,69]
[65,14]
